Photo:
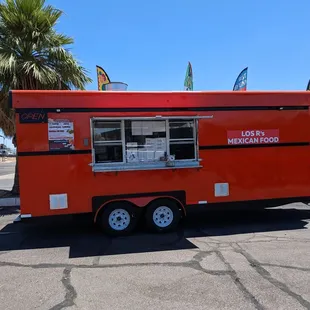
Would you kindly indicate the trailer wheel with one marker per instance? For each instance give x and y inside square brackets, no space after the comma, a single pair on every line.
[162,215]
[118,219]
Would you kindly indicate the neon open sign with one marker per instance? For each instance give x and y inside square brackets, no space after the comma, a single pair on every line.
[33,116]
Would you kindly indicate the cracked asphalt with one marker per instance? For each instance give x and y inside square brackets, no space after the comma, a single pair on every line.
[216,260]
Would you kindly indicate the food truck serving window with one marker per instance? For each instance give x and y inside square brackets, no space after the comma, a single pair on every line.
[130,144]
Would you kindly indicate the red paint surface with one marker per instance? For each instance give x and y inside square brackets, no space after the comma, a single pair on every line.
[252,173]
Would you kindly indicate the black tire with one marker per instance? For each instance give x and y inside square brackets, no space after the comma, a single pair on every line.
[114,222]
[157,206]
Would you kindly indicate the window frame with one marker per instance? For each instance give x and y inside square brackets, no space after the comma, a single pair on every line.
[124,166]
[194,139]
[108,143]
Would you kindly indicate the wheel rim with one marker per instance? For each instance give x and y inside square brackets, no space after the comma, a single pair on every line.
[119,219]
[163,216]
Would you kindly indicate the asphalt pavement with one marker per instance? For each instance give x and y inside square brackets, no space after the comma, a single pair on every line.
[7,167]
[215,260]
[7,170]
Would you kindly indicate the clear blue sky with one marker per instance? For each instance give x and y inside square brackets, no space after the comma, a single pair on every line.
[147,44]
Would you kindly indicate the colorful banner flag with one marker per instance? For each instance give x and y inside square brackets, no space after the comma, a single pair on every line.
[188,82]
[308,86]
[241,81]
[102,77]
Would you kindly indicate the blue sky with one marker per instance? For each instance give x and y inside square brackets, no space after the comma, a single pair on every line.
[147,44]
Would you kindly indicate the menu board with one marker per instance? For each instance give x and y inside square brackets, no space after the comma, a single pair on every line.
[60,134]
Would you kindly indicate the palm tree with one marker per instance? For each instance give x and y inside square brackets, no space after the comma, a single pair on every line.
[33,55]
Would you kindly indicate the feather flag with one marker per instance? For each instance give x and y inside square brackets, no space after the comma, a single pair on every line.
[241,81]
[188,82]
[102,77]
[308,86]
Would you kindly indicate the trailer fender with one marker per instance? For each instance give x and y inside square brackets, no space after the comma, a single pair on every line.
[140,202]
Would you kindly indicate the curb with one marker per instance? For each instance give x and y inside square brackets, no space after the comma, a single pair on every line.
[9,202]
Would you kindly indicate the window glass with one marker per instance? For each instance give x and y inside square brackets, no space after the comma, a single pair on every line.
[181,129]
[107,131]
[108,153]
[145,141]
[182,150]
[108,141]
[182,144]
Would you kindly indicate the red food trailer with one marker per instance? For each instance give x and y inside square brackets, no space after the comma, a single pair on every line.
[149,156]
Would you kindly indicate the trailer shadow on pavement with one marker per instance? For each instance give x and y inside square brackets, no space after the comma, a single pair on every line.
[85,240]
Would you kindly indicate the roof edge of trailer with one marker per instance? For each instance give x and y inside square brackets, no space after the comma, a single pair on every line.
[106,101]
[95,92]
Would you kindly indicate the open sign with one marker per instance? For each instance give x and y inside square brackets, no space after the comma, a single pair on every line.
[33,116]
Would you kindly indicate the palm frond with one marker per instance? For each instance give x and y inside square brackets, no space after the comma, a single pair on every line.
[33,55]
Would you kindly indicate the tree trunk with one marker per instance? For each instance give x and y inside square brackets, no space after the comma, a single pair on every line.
[15,188]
